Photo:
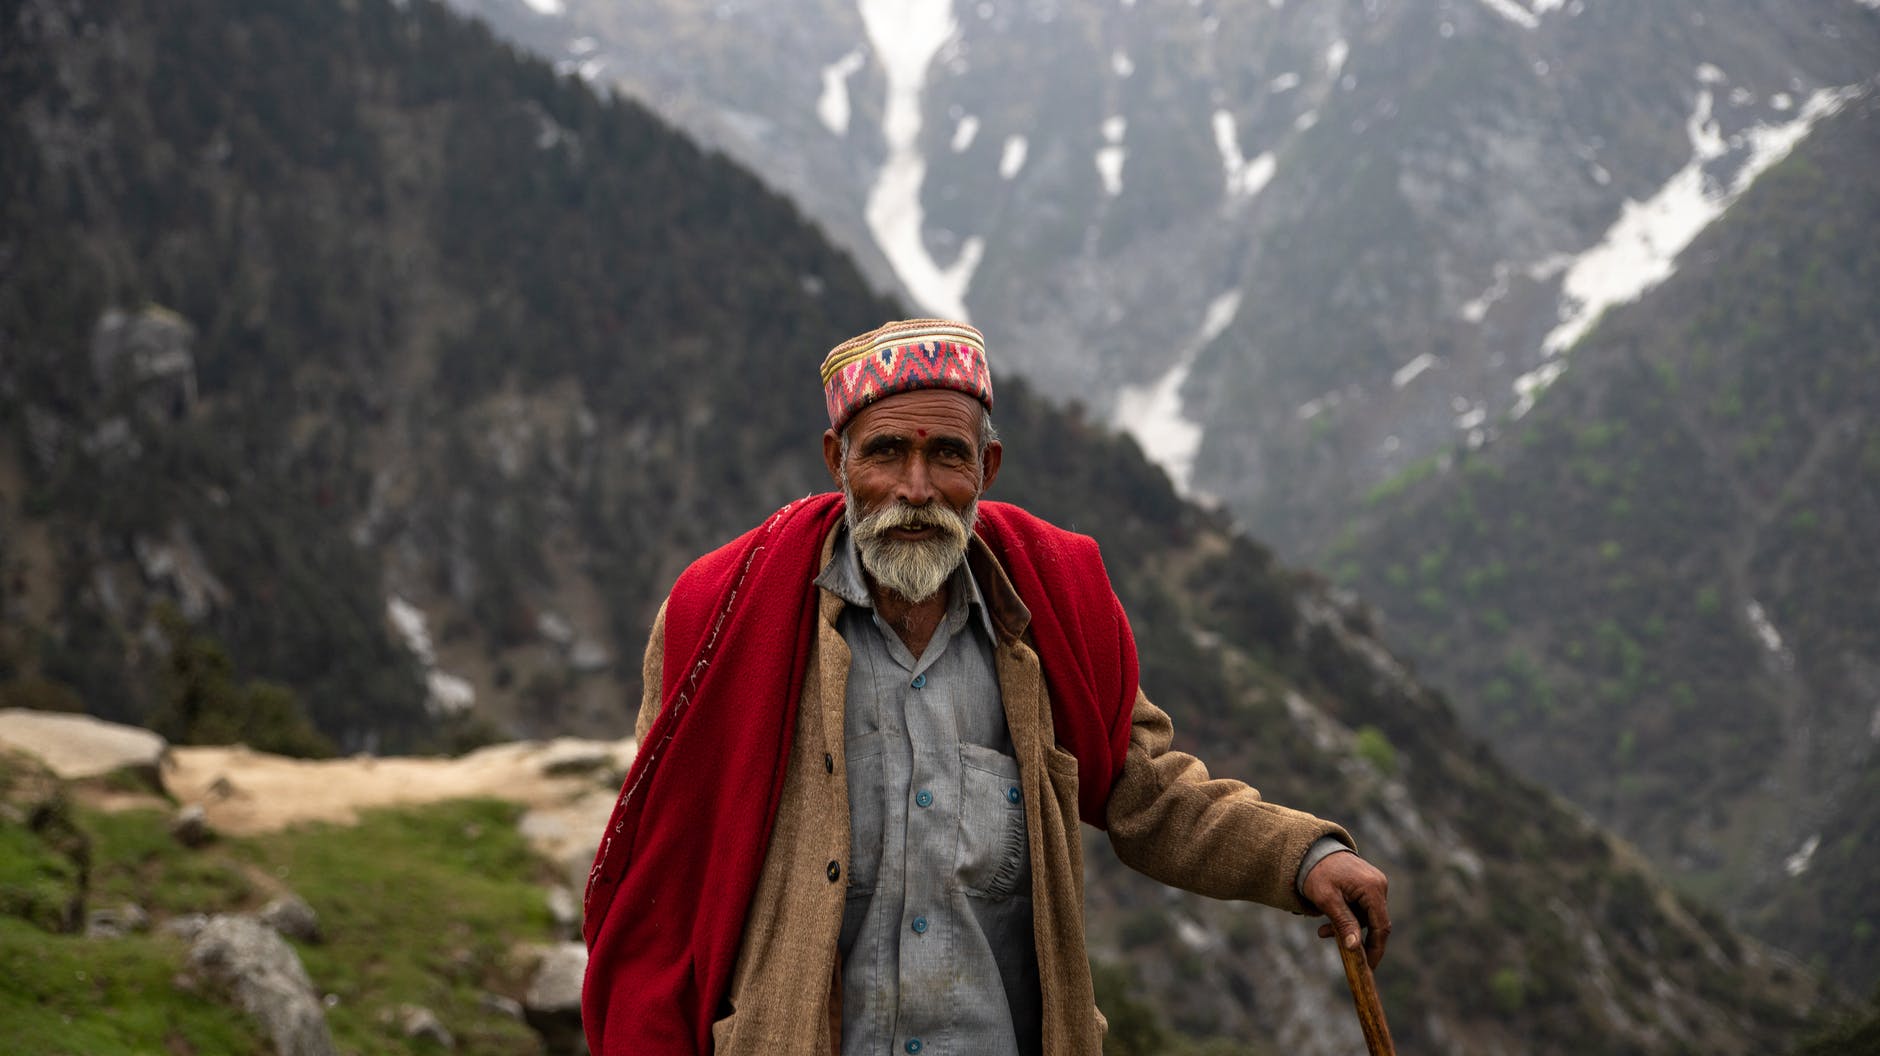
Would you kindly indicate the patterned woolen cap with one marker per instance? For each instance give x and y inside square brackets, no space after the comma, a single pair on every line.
[901,357]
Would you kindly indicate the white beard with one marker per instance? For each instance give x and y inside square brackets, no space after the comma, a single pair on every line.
[914,569]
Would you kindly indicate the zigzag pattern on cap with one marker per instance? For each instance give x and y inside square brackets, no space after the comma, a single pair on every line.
[901,357]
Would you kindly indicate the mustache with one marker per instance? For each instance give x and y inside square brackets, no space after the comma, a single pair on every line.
[902,514]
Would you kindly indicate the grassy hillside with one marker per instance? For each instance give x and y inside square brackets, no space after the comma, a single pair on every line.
[1652,593]
[424,906]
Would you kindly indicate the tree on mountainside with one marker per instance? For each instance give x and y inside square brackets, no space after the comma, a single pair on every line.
[200,702]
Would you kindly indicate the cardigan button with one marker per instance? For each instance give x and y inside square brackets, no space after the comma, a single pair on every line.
[829,763]
[834,871]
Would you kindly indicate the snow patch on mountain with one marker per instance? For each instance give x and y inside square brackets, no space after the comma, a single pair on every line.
[1152,413]
[1336,55]
[1111,157]
[1640,249]
[1528,17]
[1012,156]
[964,133]
[1120,63]
[1244,178]
[1412,370]
[550,8]
[1528,387]
[1796,864]
[906,35]
[446,694]
[1765,628]
[833,105]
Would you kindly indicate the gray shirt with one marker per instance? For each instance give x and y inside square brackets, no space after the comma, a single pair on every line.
[936,940]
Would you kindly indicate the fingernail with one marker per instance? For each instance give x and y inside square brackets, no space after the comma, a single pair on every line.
[1351,942]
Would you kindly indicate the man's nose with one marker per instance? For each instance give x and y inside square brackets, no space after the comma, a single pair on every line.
[916,485]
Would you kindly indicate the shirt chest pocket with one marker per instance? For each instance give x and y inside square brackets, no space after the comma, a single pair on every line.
[994,856]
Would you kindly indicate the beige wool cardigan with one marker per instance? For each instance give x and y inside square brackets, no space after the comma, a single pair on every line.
[1167,819]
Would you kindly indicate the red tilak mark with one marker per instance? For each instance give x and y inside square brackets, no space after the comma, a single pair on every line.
[922,432]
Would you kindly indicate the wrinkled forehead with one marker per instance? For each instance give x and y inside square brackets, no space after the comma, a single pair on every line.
[919,414]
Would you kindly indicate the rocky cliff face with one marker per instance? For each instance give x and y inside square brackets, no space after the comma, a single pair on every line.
[480,360]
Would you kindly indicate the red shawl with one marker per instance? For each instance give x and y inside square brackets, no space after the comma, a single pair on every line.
[680,859]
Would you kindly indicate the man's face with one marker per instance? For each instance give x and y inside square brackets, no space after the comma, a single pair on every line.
[913,475]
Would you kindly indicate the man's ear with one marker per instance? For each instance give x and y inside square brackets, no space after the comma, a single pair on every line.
[989,460]
[832,455]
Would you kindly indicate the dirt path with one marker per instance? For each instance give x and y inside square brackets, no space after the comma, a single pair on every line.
[567,785]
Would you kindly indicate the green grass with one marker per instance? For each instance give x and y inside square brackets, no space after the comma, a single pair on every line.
[36,883]
[105,997]
[418,906]
[134,859]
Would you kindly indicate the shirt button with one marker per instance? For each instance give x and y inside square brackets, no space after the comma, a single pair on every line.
[919,681]
[923,798]
[913,1045]
[1011,794]
[829,763]
[920,925]
[834,871]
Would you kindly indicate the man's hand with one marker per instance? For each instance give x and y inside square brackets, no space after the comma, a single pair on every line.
[1352,893]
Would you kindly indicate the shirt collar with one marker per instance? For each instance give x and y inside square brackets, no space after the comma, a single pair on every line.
[842,576]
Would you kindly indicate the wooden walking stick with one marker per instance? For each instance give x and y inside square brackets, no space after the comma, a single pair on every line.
[1364,994]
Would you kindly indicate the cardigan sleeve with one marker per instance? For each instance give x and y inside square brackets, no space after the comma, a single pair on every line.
[1170,820]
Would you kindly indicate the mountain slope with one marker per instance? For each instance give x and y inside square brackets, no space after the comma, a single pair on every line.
[1654,594]
[1293,247]
[379,352]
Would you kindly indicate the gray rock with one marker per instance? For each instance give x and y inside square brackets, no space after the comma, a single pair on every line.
[190,826]
[187,926]
[149,352]
[79,746]
[552,1004]
[421,1024]
[116,922]
[292,917]
[564,907]
[501,1005]
[250,964]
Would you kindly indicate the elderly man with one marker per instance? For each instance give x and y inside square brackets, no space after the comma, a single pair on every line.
[870,727]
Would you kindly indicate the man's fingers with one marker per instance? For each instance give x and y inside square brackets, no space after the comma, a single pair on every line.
[1344,922]
[1378,934]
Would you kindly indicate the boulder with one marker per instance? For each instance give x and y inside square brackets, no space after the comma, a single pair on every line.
[190,826]
[501,1004]
[79,746]
[249,963]
[553,1003]
[420,1024]
[565,908]
[292,917]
